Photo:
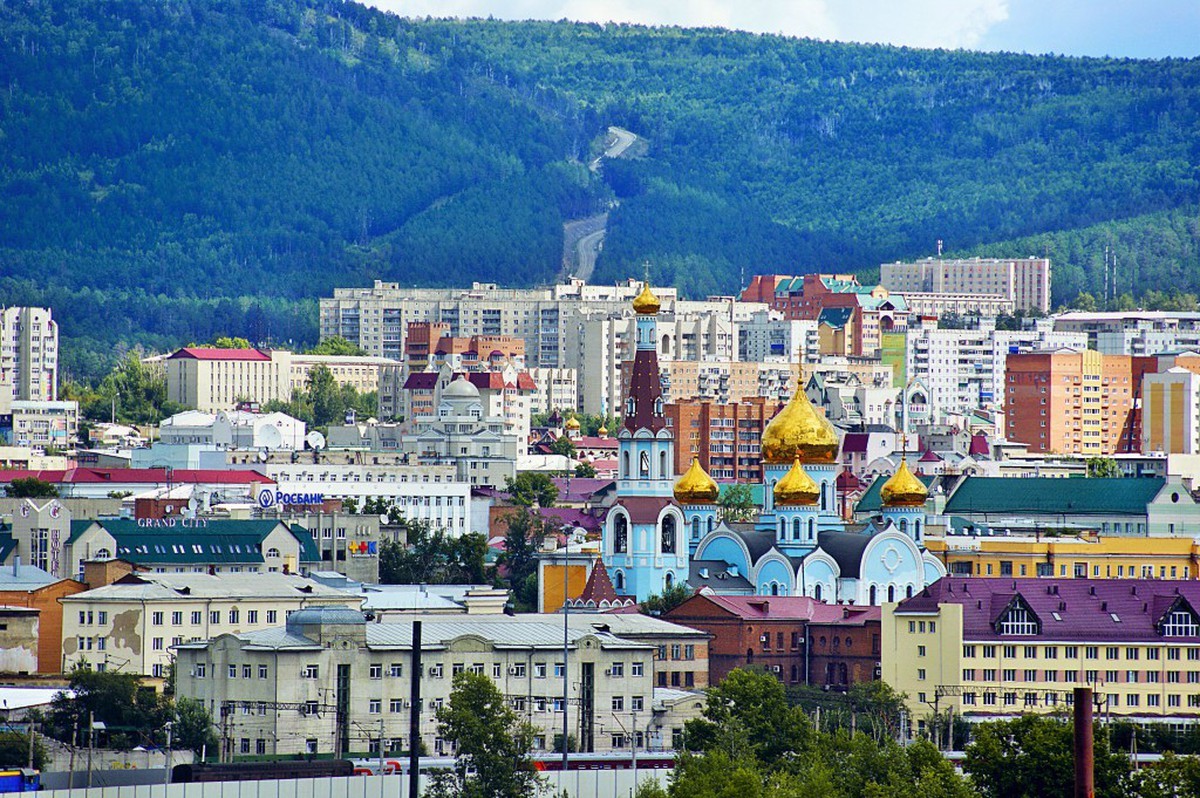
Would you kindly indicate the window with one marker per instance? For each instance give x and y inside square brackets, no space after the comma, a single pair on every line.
[197,618]
[156,618]
[376,671]
[969,651]
[989,651]
[251,616]
[637,703]
[920,651]
[1030,652]
[311,708]
[262,671]
[201,670]
[260,746]
[558,670]
[539,670]
[1180,623]
[1010,674]
[637,669]
[989,674]
[497,670]
[618,670]
[396,705]
[233,616]
[233,671]
[214,617]
[247,671]
[1010,651]
[1071,652]
[1091,652]
[311,672]
[374,706]
[618,703]
[518,670]
[1030,675]
[1131,653]
[396,670]
[176,618]
[1019,621]
[920,674]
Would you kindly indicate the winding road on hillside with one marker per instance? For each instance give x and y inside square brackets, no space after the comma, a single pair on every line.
[584,238]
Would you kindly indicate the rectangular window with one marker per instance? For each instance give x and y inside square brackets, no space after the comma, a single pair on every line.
[989,651]
[969,651]
[201,670]
[214,617]
[1091,652]
[233,616]
[272,615]
[396,705]
[247,671]
[617,671]
[1071,652]
[262,671]
[157,644]
[637,669]
[374,706]
[177,618]
[376,670]
[539,670]
[197,618]
[920,651]
[251,616]
[1051,652]
[517,670]
[156,618]
[396,670]
[1030,652]
[311,672]
[618,703]
[233,671]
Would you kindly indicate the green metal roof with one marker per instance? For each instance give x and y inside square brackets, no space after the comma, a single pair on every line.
[308,546]
[77,529]
[217,541]
[756,490]
[870,501]
[7,544]
[1054,496]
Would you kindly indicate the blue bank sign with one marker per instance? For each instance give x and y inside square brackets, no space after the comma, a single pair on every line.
[269,497]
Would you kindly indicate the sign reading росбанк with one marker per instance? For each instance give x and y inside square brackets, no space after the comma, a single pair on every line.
[269,497]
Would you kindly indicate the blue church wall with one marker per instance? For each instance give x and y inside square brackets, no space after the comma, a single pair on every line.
[932,573]
[774,571]
[723,548]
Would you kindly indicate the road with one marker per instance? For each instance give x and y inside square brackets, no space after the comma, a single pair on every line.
[586,252]
[619,140]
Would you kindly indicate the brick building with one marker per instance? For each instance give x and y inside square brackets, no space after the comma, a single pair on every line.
[771,631]
[26,586]
[726,437]
[1075,401]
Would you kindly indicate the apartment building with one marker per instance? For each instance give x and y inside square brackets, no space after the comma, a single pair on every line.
[40,423]
[964,370]
[727,438]
[328,658]
[28,356]
[1075,402]
[557,389]
[1171,405]
[133,624]
[1023,281]
[1135,332]
[1084,557]
[995,648]
[767,336]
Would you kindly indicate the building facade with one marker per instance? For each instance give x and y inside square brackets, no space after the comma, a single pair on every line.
[28,356]
[1023,281]
[727,438]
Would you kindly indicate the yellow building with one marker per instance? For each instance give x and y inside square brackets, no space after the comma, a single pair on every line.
[1092,556]
[987,648]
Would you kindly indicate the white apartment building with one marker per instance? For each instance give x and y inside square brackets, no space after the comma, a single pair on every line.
[133,625]
[278,688]
[377,318]
[28,356]
[234,429]
[963,370]
[1023,281]
[557,389]
[767,336]
[1171,412]
[44,423]
[431,493]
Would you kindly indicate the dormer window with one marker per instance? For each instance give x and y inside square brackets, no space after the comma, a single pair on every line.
[1019,621]
[1180,623]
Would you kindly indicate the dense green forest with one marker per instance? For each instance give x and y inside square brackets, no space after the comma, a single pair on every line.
[177,170]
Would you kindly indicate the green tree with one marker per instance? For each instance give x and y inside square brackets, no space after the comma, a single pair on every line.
[1172,777]
[736,504]
[529,487]
[493,744]
[1084,301]
[14,751]
[30,488]
[194,729]
[564,446]
[1103,467]
[227,342]
[431,556]
[326,397]
[585,471]
[336,345]
[662,603]
[1031,756]
[526,531]
[133,714]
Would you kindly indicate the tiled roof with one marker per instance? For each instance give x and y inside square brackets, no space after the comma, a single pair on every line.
[218,542]
[1092,610]
[208,353]
[421,381]
[761,608]
[643,509]
[599,590]
[1054,496]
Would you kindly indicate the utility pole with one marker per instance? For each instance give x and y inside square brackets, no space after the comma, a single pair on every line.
[74,745]
[381,748]
[1085,785]
[167,761]
[32,739]
[91,745]
[566,681]
[414,716]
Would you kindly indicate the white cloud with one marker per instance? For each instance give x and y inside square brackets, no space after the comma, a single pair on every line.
[916,23]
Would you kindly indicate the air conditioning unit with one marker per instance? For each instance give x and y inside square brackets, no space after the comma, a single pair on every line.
[608,672]
[777,668]
[405,704]
[433,704]
[512,670]
[765,639]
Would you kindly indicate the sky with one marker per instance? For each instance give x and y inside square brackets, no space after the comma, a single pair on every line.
[1119,28]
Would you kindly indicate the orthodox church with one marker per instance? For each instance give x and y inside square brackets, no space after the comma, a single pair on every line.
[663,531]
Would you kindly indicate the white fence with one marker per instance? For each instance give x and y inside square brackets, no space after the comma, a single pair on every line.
[578,784]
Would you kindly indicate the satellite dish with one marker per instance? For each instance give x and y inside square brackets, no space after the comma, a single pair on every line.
[262,456]
[270,438]
[383,518]
[315,440]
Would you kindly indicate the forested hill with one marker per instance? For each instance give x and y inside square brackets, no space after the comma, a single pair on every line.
[176,170]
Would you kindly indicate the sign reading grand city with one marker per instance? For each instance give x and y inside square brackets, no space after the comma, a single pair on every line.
[269,497]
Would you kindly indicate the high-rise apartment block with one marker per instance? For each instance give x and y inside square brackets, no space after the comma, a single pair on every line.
[28,356]
[1171,406]
[1023,281]
[1075,402]
[726,437]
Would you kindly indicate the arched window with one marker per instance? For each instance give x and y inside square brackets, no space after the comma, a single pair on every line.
[908,592]
[668,535]
[712,522]
[630,407]
[904,526]
[272,552]
[625,465]
[824,496]
[812,527]
[103,554]
[817,592]
[749,655]
[695,527]
[795,529]
[644,465]
[891,593]
[872,599]
[783,529]
[669,580]
[662,465]
[774,588]
[619,580]
[658,406]
[917,530]
[620,534]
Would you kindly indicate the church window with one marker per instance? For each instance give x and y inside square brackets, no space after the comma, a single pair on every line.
[669,580]
[917,530]
[824,496]
[662,465]
[658,406]
[668,535]
[817,592]
[904,526]
[872,594]
[891,592]
[625,465]
[619,580]
[774,588]
[695,527]
[711,523]
[783,529]
[908,592]
[630,407]
[644,465]
[795,529]
[812,525]
[620,534]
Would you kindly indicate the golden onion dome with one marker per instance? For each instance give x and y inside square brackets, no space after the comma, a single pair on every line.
[797,487]
[696,486]
[903,489]
[602,432]
[799,432]
[646,303]
[572,423]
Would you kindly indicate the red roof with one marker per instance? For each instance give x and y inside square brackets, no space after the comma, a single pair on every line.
[979,445]
[525,382]
[421,381]
[643,509]
[211,353]
[930,456]
[760,608]
[596,442]
[599,588]
[140,475]
[855,442]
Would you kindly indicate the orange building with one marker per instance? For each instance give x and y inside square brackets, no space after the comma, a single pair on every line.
[26,586]
[1075,402]
[726,437]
